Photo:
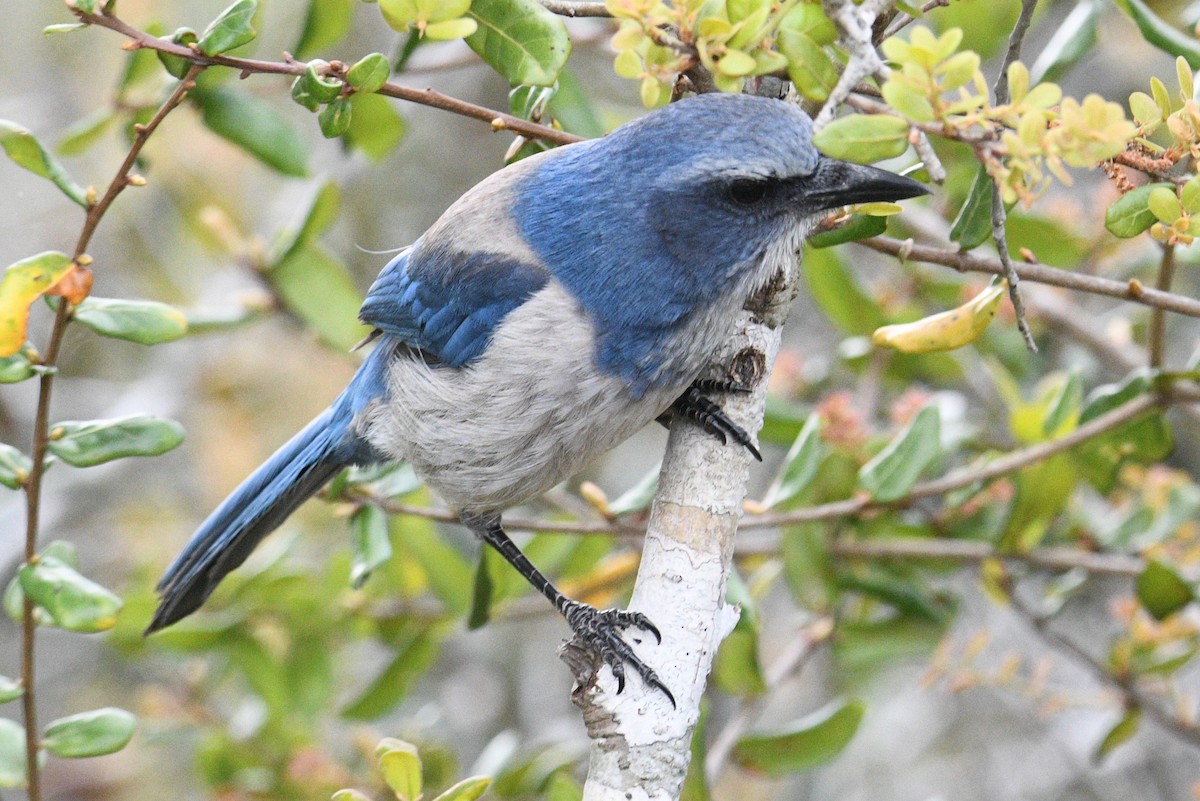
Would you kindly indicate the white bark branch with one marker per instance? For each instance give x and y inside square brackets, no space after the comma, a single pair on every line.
[640,744]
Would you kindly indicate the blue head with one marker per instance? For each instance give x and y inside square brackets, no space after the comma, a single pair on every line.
[655,222]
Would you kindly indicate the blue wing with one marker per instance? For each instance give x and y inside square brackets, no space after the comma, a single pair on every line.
[446,303]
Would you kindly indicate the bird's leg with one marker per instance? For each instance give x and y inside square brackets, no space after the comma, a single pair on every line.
[599,630]
[694,404]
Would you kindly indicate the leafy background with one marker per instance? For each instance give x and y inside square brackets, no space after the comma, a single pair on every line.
[284,686]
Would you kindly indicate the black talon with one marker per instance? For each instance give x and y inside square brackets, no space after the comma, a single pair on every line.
[597,631]
[695,405]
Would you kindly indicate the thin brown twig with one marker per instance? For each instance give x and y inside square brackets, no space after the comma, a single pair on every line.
[970,262]
[41,425]
[1133,696]
[999,215]
[499,120]
[1156,338]
[576,8]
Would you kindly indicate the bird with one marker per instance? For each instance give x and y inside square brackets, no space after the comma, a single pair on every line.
[556,308]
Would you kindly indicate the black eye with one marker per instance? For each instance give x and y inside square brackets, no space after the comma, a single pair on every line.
[748,191]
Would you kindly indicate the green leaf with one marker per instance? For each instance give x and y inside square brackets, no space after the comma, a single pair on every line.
[12,754]
[736,669]
[811,741]
[891,474]
[1157,32]
[146,322]
[73,601]
[468,789]
[349,795]
[10,690]
[834,288]
[1161,591]
[372,548]
[1062,414]
[799,466]
[973,225]
[809,65]
[1145,439]
[520,39]
[316,287]
[401,767]
[84,443]
[860,226]
[83,134]
[254,126]
[573,109]
[19,366]
[416,650]
[335,118]
[90,734]
[375,126]
[232,28]
[1121,732]
[863,138]
[369,73]
[1072,40]
[26,151]
[14,467]
[325,23]
[483,591]
[63,27]
[177,65]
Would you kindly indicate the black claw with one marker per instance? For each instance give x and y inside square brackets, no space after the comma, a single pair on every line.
[694,405]
[600,631]
[720,385]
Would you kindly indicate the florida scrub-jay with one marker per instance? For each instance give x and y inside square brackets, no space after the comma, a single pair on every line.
[552,311]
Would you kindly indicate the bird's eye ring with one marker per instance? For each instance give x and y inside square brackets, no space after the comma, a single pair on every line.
[747,191]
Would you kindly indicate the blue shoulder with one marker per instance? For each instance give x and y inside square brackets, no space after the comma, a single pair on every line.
[448,303]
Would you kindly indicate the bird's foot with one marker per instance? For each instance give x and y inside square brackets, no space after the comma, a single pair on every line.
[599,631]
[695,405]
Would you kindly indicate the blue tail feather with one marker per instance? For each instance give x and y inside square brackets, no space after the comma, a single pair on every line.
[264,500]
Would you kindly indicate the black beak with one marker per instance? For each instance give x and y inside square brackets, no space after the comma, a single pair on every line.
[840,183]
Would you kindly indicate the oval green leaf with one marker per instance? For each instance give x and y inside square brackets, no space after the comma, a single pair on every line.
[891,474]
[12,754]
[1130,215]
[375,126]
[973,225]
[73,601]
[860,226]
[90,734]
[1161,590]
[232,28]
[1159,33]
[254,126]
[369,74]
[84,443]
[10,689]
[334,119]
[863,138]
[520,39]
[26,151]
[812,741]
[468,789]
[371,546]
[401,767]
[14,467]
[146,322]
[799,466]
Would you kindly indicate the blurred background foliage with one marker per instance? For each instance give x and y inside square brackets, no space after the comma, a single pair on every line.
[886,654]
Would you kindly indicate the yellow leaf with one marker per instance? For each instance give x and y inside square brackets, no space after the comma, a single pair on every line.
[947,330]
[23,283]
